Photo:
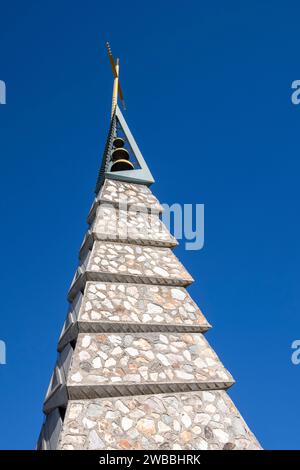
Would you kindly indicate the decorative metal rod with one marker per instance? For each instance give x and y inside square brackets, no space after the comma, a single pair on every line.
[117,91]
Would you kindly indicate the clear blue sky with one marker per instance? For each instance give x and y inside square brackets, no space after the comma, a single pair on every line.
[207,86]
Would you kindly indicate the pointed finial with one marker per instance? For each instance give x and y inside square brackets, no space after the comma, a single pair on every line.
[117,91]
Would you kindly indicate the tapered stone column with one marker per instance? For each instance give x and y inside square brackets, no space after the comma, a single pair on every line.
[134,369]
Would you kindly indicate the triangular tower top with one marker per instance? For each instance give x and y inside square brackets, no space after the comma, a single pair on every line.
[121,168]
[141,173]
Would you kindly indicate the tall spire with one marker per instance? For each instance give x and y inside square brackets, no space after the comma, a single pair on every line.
[117,91]
[134,369]
[122,159]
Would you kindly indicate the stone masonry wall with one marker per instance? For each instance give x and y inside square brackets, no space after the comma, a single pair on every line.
[134,260]
[190,421]
[152,359]
[137,196]
[132,226]
[141,304]
[137,370]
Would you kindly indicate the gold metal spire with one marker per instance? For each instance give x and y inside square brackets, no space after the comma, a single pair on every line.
[117,87]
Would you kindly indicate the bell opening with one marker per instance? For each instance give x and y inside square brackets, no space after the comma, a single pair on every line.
[118,142]
[119,154]
[122,165]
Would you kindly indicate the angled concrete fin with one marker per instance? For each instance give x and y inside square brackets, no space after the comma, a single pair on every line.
[141,174]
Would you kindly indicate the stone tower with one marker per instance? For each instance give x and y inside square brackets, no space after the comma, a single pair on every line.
[134,370]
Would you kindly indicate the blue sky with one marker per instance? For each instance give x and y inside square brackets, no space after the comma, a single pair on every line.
[207,86]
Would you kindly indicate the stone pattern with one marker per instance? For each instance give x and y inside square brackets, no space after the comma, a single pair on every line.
[143,261]
[140,303]
[129,281]
[194,420]
[132,226]
[143,358]
[137,196]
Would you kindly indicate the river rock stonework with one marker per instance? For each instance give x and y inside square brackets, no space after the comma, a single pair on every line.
[132,226]
[144,363]
[195,420]
[163,307]
[136,196]
[108,261]
[156,263]
[135,370]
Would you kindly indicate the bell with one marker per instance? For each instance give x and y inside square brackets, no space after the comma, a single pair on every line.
[118,142]
[119,154]
[122,165]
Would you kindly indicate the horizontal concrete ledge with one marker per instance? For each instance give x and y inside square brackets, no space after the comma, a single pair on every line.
[70,334]
[131,207]
[59,397]
[91,237]
[105,327]
[82,392]
[83,278]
